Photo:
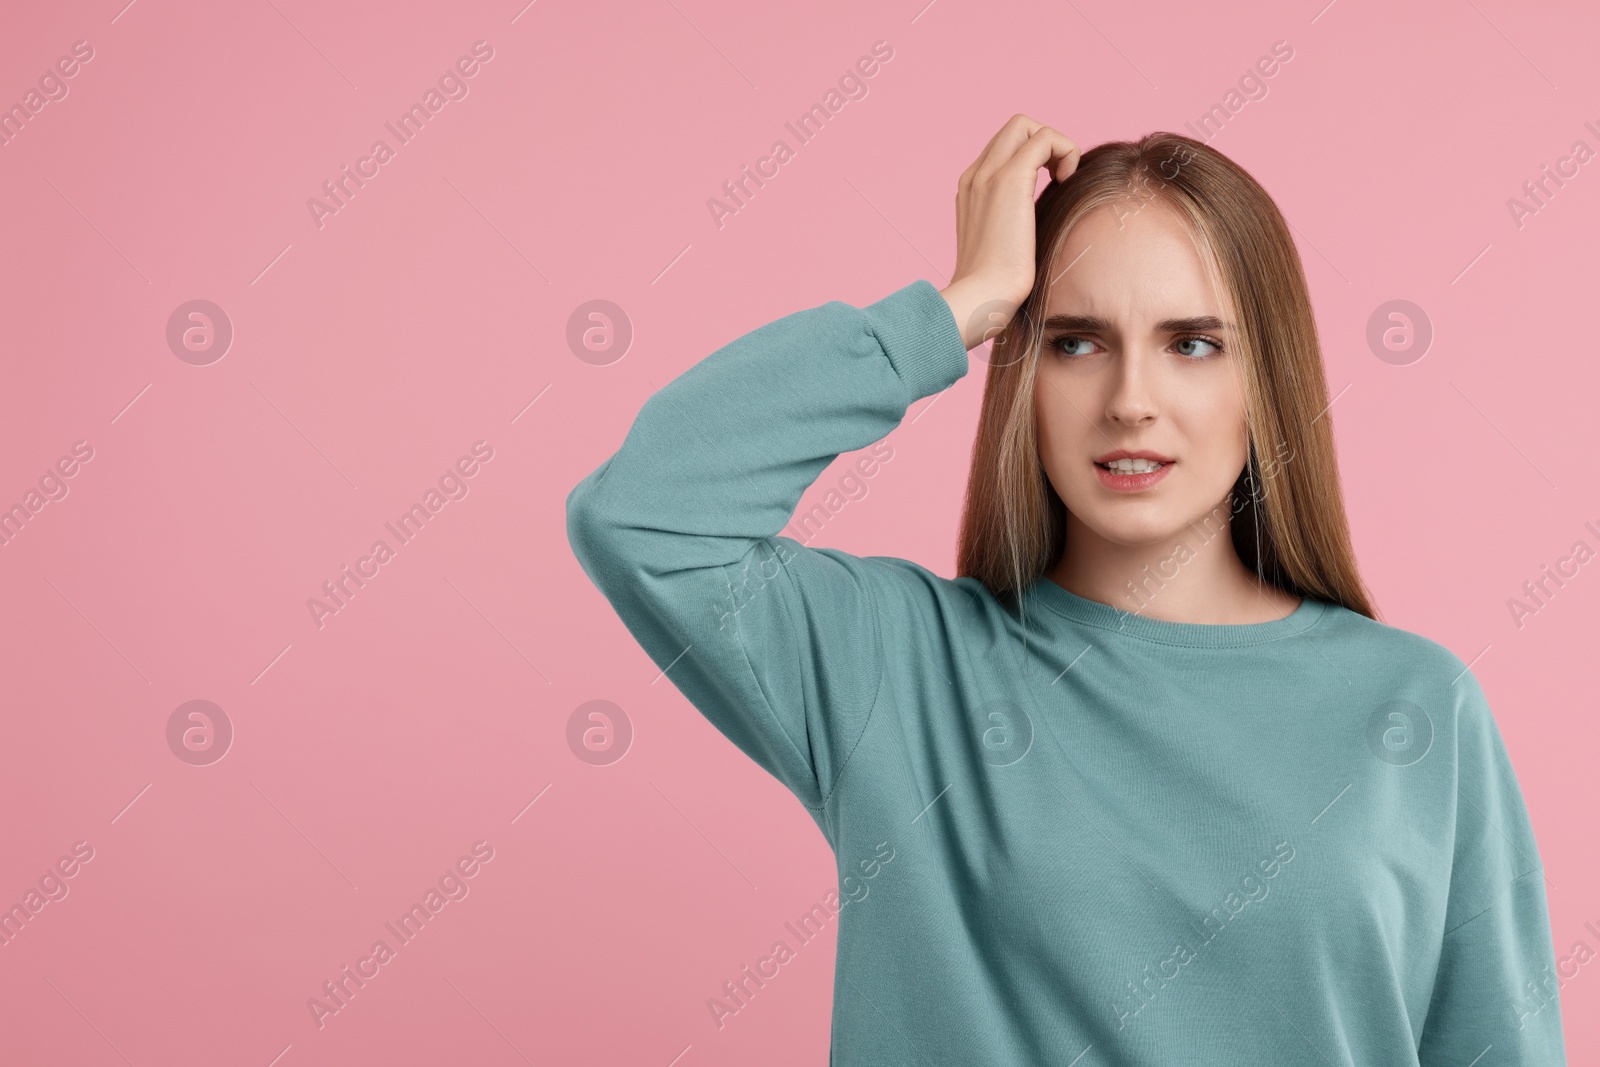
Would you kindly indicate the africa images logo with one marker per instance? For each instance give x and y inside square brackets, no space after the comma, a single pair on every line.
[1399,733]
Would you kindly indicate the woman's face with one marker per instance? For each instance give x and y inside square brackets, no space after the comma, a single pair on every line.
[1138,356]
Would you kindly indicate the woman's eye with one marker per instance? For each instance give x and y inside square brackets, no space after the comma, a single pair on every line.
[1064,345]
[1214,346]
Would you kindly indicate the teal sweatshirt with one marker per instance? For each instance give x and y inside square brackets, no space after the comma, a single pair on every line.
[1067,834]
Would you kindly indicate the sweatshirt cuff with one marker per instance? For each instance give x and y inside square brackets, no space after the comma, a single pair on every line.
[919,334]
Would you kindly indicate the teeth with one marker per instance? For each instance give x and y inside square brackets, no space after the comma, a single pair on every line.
[1133,466]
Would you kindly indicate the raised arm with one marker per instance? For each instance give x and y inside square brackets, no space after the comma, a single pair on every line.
[775,643]
[778,645]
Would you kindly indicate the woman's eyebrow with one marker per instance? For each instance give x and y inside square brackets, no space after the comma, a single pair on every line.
[1095,324]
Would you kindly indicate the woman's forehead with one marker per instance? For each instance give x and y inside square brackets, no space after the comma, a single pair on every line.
[1140,267]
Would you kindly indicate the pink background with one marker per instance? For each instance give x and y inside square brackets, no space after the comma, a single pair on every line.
[369,354]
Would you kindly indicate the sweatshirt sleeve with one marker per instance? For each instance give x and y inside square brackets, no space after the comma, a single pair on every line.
[778,645]
[1495,989]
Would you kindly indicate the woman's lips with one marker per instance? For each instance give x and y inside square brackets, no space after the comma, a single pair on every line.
[1130,483]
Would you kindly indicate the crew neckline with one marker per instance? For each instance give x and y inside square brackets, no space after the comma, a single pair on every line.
[1044,591]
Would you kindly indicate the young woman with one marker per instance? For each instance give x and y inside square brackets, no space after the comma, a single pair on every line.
[1148,782]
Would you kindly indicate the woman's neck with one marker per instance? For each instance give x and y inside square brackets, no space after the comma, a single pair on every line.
[1184,578]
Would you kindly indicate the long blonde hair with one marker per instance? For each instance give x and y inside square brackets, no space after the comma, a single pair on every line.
[1289,523]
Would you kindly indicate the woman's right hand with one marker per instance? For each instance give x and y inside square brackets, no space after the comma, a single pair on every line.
[995,227]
